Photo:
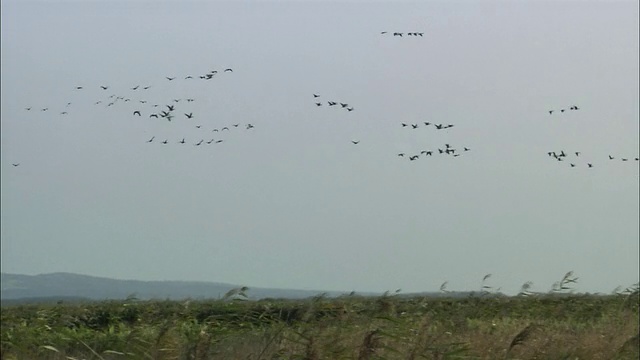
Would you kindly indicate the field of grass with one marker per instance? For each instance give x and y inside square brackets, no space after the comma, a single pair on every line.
[536,326]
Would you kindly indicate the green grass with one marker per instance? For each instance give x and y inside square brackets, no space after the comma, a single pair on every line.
[350,327]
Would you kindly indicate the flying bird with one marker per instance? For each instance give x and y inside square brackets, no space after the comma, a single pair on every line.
[228,70]
[16,165]
[355,142]
[171,107]
[181,141]
[135,87]
[200,143]
[137,113]
[165,142]
[318,104]
[150,140]
[170,78]
[316,95]
[349,109]
[189,115]
[104,87]
[590,165]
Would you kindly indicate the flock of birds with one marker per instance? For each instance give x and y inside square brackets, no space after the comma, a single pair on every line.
[562,156]
[169,112]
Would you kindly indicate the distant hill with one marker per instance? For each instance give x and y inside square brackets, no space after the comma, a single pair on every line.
[60,286]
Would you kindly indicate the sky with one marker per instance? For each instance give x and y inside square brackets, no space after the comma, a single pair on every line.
[291,201]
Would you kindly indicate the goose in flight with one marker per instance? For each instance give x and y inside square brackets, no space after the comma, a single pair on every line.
[577,153]
[45,109]
[165,142]
[79,88]
[404,125]
[228,70]
[427,123]
[466,149]
[188,77]
[210,141]
[349,109]
[611,157]
[198,126]
[189,115]
[415,126]
[150,140]
[574,108]
[224,128]
[146,87]
[236,125]
[249,126]
[344,105]
[199,143]
[135,87]
[170,107]
[318,104]
[550,112]
[355,142]
[27,108]
[181,141]
[401,154]
[104,87]
[218,141]
[573,165]
[590,165]
[316,95]
[382,33]
[332,103]
[137,113]
[190,100]
[16,165]
[170,78]
[414,157]
[623,159]
[397,34]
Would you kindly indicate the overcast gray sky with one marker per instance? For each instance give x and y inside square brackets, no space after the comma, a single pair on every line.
[292,202]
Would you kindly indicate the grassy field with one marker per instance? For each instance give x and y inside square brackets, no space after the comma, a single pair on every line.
[349,327]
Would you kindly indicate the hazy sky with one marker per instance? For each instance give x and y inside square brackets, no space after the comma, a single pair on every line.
[292,202]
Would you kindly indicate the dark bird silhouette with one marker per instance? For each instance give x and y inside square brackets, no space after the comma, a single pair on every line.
[466,149]
[181,141]
[78,87]
[438,126]
[636,159]
[573,165]
[137,113]
[188,77]
[189,115]
[355,142]
[404,125]
[218,141]
[16,165]
[170,107]
[415,126]
[170,78]
[344,105]
[249,126]
[200,143]
[176,100]
[574,108]
[27,108]
[427,123]
[228,70]
[210,141]
[104,87]
[198,126]
[63,113]
[550,112]
[332,103]
[190,100]
[414,157]
[611,157]
[318,104]
[236,125]
[397,34]
[577,153]
[623,159]
[561,110]
[150,140]
[384,32]
[224,128]
[590,165]
[45,109]
[143,101]
[146,87]
[165,142]
[349,109]
[316,95]
[214,130]
[135,87]
[401,154]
